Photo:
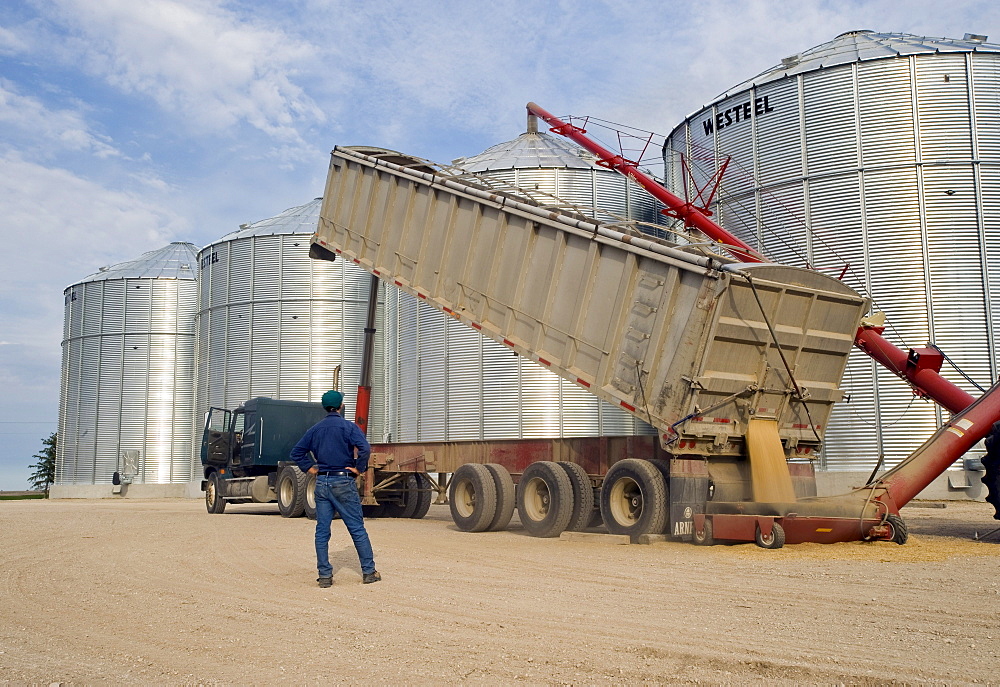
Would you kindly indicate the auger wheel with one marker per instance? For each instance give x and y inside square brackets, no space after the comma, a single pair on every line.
[899,531]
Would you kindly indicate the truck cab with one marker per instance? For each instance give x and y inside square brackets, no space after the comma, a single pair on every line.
[244,454]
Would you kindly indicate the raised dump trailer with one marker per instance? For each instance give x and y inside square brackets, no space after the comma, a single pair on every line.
[737,365]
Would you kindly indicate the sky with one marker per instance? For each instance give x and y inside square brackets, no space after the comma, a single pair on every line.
[128,124]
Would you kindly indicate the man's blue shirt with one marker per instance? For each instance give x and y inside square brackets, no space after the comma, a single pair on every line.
[332,440]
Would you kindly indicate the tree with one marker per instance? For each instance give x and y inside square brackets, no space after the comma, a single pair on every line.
[45,469]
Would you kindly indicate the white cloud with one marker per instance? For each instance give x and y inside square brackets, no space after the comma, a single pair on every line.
[48,131]
[10,42]
[195,59]
[61,228]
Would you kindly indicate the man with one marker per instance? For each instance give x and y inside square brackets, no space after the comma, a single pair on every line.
[333,441]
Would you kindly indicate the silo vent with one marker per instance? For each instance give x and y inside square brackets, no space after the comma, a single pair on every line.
[978,37]
[790,61]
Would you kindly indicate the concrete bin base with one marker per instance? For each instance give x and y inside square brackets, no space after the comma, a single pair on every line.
[184,490]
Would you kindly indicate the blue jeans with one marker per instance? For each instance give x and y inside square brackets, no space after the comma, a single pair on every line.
[340,493]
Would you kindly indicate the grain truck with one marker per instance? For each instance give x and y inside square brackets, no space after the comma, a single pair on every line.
[736,362]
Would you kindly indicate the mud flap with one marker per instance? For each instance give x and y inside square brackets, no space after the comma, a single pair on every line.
[689,482]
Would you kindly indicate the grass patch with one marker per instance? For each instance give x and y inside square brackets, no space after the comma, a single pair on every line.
[20,497]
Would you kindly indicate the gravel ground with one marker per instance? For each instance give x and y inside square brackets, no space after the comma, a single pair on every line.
[161,592]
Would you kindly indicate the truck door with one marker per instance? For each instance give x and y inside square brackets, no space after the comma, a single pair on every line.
[216,442]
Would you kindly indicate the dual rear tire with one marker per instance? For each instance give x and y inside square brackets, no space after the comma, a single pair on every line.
[553,497]
[481,497]
[412,499]
[550,498]
[634,498]
[545,499]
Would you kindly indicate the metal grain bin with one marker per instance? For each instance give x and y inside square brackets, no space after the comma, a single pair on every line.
[447,382]
[128,370]
[273,322]
[552,170]
[878,152]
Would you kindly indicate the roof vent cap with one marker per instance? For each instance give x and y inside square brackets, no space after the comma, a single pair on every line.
[978,37]
[790,61]
[854,33]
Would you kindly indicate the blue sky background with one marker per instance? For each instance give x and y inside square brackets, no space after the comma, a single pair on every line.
[127,124]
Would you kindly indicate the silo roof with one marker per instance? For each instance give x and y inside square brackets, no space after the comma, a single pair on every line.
[174,261]
[530,150]
[301,219]
[861,46]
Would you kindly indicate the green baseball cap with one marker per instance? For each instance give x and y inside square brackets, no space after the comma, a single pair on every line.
[332,399]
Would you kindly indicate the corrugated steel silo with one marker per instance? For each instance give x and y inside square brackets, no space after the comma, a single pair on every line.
[879,152]
[552,169]
[447,382]
[128,370]
[274,322]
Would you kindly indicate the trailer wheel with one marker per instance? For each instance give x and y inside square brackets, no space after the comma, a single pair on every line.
[214,502]
[775,541]
[423,496]
[410,497]
[705,537]
[545,499]
[372,512]
[291,491]
[634,498]
[309,505]
[900,533]
[506,497]
[583,497]
[399,504]
[472,497]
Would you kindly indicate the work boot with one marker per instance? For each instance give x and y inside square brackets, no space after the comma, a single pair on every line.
[373,576]
[325,582]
